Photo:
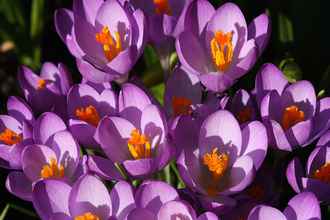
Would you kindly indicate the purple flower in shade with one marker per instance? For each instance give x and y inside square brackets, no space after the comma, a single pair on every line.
[53,154]
[106,37]
[56,200]
[138,139]
[218,46]
[166,19]
[219,159]
[16,132]
[300,207]
[291,114]
[48,90]
[158,200]
[86,107]
[181,91]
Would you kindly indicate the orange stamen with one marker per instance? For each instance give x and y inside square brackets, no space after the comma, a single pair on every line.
[324,174]
[110,49]
[161,4]
[52,171]
[257,193]
[222,56]
[90,115]
[87,216]
[292,117]
[10,137]
[217,164]
[139,151]
[42,84]
[179,103]
[244,115]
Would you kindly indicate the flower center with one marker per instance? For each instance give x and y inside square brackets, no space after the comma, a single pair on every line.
[135,145]
[257,193]
[90,115]
[292,117]
[161,4]
[110,49]
[52,171]
[41,83]
[222,55]
[179,103]
[10,137]
[244,115]
[324,174]
[87,216]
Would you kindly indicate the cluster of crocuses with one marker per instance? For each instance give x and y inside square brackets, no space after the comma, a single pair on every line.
[216,144]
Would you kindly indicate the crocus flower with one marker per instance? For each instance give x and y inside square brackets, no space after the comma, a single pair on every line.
[222,160]
[138,139]
[291,114]
[218,46]
[106,37]
[53,154]
[86,107]
[16,132]
[88,197]
[300,207]
[47,90]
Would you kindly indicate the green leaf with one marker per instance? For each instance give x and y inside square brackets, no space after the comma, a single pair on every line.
[158,91]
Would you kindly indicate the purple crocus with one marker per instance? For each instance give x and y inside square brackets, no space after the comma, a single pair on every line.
[291,114]
[16,132]
[88,197]
[106,37]
[138,139]
[300,207]
[47,90]
[222,159]
[218,46]
[86,107]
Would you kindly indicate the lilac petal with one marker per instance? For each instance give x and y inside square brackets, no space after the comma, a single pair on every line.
[19,109]
[221,130]
[297,135]
[61,111]
[50,196]
[260,29]
[167,152]
[104,168]
[65,78]
[176,209]
[11,123]
[155,194]
[276,137]
[324,140]
[86,10]
[303,206]
[63,22]
[28,80]
[263,212]
[15,154]
[60,216]
[89,194]
[208,216]
[269,106]
[45,128]
[81,169]
[138,212]
[140,169]
[131,103]
[19,185]
[218,204]
[161,30]
[140,30]
[317,159]
[294,174]
[240,102]
[200,112]
[216,81]
[114,133]
[320,189]
[190,196]
[255,142]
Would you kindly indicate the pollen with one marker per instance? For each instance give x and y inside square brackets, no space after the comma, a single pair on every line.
[324,174]
[257,193]
[217,164]
[139,145]
[244,116]
[222,50]
[111,49]
[89,116]
[87,216]
[10,137]
[52,171]
[41,83]
[212,190]
[179,103]
[161,5]
[292,117]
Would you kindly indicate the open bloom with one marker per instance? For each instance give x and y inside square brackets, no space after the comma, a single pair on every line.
[106,37]
[291,114]
[218,46]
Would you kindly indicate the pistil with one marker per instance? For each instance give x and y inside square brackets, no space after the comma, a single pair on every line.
[179,103]
[10,137]
[89,116]
[161,5]
[222,55]
[110,49]
[52,171]
[292,117]
[136,147]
